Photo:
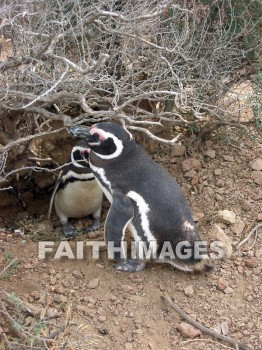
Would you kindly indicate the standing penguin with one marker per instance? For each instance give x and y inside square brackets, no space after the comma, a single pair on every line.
[144,198]
[77,193]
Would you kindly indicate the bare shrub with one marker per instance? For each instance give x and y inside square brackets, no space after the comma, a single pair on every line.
[168,63]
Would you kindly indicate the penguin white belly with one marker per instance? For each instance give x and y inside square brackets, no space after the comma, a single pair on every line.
[78,199]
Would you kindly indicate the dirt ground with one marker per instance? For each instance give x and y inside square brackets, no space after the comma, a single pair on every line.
[109,310]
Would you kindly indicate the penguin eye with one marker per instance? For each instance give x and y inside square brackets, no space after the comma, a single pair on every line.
[84,153]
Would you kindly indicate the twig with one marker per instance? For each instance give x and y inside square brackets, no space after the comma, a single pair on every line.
[249,235]
[156,138]
[49,90]
[7,267]
[14,301]
[204,329]
[15,329]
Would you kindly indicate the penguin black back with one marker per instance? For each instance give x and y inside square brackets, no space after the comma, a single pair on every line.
[144,197]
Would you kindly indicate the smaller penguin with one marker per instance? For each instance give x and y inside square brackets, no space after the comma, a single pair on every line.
[76,193]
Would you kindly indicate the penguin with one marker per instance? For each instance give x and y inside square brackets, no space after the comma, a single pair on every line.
[144,197]
[77,193]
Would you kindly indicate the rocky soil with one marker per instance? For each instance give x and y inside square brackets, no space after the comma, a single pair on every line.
[105,309]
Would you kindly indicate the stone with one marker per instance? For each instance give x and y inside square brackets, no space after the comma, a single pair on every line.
[259,217]
[257,177]
[191,163]
[219,234]
[128,346]
[197,215]
[102,318]
[218,172]
[126,288]
[257,164]
[188,331]
[229,290]
[252,263]
[28,266]
[221,284]
[224,328]
[178,150]
[210,153]
[228,158]
[92,284]
[227,216]
[238,226]
[77,274]
[189,291]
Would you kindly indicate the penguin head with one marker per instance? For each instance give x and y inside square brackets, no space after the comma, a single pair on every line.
[80,154]
[106,140]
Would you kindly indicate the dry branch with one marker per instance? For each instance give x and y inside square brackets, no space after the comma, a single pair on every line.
[204,329]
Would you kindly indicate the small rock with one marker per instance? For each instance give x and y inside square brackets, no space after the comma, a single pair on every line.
[246,205]
[257,177]
[28,266]
[92,284]
[218,172]
[191,163]
[197,215]
[229,290]
[252,262]
[210,153]
[257,164]
[188,331]
[224,328]
[101,318]
[259,217]
[178,150]
[128,346]
[77,274]
[126,288]
[221,284]
[228,158]
[238,226]
[91,300]
[189,291]
[220,235]
[227,216]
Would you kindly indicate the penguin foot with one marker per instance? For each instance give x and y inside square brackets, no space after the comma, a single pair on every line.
[129,265]
[94,226]
[68,230]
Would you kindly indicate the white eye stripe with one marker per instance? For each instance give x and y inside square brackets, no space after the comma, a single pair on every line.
[118,143]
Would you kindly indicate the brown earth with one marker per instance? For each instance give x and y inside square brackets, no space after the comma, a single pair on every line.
[106,309]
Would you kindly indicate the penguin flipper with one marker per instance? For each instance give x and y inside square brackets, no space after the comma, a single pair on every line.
[54,193]
[120,214]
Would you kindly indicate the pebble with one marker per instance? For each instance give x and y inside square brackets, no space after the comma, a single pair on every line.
[210,153]
[178,150]
[219,234]
[218,172]
[189,291]
[252,262]
[191,163]
[238,226]
[92,284]
[126,288]
[224,328]
[77,274]
[227,216]
[221,284]
[257,164]
[188,331]
[257,177]
[102,318]
[228,290]
[228,158]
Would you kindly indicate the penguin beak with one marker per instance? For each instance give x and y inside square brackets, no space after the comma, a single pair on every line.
[84,133]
